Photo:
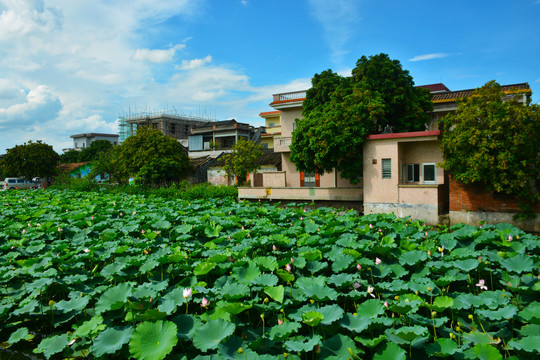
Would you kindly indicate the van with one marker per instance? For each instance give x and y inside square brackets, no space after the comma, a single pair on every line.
[18,183]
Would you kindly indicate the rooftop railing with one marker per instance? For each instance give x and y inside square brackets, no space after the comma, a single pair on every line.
[290,95]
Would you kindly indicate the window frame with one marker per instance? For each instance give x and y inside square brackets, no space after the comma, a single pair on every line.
[434,181]
[412,173]
[386,168]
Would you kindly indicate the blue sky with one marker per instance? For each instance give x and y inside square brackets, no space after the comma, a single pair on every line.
[75,66]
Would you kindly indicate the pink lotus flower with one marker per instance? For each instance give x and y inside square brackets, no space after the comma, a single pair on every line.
[510,238]
[59,229]
[142,231]
[279,322]
[38,224]
[370,291]
[24,231]
[377,261]
[429,252]
[292,260]
[301,218]
[205,302]
[133,213]
[29,225]
[87,250]
[482,284]
[356,285]
[242,227]
[121,214]
[187,293]
[370,226]
[358,267]
[386,304]
[91,218]
[288,267]
[274,248]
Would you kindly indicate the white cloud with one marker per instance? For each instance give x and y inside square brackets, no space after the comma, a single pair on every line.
[195,63]
[244,2]
[39,105]
[20,19]
[338,19]
[537,80]
[157,56]
[429,56]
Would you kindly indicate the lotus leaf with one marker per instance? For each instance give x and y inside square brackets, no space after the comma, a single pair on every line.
[209,335]
[114,298]
[412,257]
[355,323]
[477,337]
[275,292]
[92,326]
[234,290]
[370,342]
[519,263]
[203,268]
[312,318]
[338,347]
[370,308]
[442,348]
[153,340]
[52,345]
[531,312]
[111,340]
[18,335]
[246,274]
[507,312]
[442,302]
[302,343]
[390,351]
[74,304]
[282,332]
[486,352]
[527,343]
[407,334]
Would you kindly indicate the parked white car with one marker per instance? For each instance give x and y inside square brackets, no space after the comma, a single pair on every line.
[18,183]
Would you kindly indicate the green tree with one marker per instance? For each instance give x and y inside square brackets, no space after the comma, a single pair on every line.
[492,139]
[243,159]
[32,159]
[94,151]
[71,156]
[150,157]
[339,113]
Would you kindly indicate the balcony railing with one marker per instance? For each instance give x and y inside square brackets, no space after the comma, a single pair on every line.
[281,144]
[290,96]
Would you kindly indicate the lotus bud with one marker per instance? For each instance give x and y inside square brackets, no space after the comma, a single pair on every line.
[279,322]
[24,231]
[204,302]
[72,342]
[87,250]
[59,229]
[510,238]
[274,248]
[371,226]
[377,261]
[187,293]
[301,218]
[288,267]
[292,260]
[142,231]
[358,267]
[386,304]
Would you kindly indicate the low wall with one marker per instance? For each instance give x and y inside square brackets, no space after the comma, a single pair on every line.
[301,193]
[425,212]
[472,204]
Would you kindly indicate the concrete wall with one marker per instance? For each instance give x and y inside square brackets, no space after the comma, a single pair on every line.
[288,117]
[301,193]
[377,189]
[218,177]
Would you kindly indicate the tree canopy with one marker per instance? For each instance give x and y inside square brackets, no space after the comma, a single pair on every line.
[243,159]
[339,112]
[492,139]
[150,157]
[32,159]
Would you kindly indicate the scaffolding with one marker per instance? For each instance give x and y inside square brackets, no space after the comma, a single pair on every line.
[168,122]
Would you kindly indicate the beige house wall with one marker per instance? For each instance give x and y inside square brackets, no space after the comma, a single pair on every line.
[288,117]
[301,193]
[269,141]
[377,189]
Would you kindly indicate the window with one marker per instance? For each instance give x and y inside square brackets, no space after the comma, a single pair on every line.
[413,172]
[429,173]
[294,126]
[310,180]
[386,168]
[264,145]
[271,125]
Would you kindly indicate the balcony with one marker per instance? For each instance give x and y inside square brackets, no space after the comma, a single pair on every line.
[290,99]
[282,143]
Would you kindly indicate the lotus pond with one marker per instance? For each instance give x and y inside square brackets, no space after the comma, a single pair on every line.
[124,276]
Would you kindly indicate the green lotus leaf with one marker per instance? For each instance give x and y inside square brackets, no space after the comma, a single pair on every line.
[153,340]
[75,304]
[232,308]
[209,335]
[507,312]
[477,337]
[19,334]
[266,280]
[114,298]
[407,334]
[465,265]
[311,255]
[312,318]
[448,241]
[161,224]
[404,306]
[466,301]
[171,301]
[230,349]
[148,315]
[282,332]
[27,308]
[183,229]
[442,348]
[275,292]
[487,352]
[442,302]
[341,263]
[302,343]
[331,313]
[284,275]
[246,274]
[370,308]
[530,330]
[412,257]
[268,262]
[111,340]
[519,263]
[203,268]
[531,313]
[52,345]
[114,269]
[149,265]
[315,288]
[528,343]
[342,279]
[338,347]
[218,258]
[370,342]
[186,325]
[311,227]
[235,291]
[355,323]
[390,351]
[316,266]
[90,327]
[212,230]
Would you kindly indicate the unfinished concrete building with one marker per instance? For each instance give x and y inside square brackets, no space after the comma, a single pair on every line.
[176,126]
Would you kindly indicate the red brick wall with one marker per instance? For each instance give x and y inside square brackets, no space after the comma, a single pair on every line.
[476,198]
